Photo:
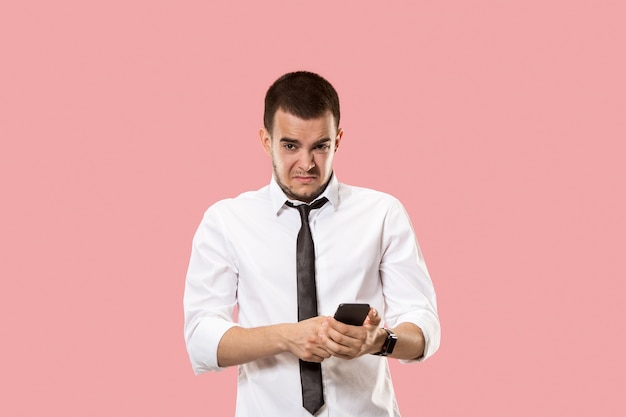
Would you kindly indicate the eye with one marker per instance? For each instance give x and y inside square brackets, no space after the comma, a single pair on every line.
[322,147]
[289,146]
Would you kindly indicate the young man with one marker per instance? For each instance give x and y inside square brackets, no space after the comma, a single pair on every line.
[287,255]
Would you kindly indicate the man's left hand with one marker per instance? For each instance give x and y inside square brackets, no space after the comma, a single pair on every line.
[348,342]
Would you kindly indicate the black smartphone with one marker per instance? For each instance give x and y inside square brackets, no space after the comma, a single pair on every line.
[352,313]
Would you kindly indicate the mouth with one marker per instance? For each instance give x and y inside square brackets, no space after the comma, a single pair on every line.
[304,179]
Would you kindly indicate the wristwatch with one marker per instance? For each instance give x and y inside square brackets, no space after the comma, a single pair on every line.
[389,344]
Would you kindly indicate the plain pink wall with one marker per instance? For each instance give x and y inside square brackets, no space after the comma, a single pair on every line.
[500,125]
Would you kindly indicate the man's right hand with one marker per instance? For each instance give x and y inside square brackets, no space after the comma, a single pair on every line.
[303,339]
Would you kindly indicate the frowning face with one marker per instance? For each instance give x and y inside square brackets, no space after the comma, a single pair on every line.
[302,153]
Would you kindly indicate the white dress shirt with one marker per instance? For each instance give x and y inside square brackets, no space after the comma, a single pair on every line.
[244,256]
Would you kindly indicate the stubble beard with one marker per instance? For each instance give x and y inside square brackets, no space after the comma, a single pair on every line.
[307,198]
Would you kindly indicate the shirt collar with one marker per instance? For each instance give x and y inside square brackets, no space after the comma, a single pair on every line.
[278,197]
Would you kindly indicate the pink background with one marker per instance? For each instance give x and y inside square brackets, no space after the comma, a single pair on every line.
[500,125]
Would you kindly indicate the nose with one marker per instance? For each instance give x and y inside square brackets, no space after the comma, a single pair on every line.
[306,161]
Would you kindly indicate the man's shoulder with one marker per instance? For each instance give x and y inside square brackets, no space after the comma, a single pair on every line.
[365,195]
[243,200]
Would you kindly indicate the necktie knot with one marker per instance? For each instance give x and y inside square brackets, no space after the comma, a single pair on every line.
[305,209]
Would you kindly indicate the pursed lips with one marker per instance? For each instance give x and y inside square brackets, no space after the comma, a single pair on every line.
[305,178]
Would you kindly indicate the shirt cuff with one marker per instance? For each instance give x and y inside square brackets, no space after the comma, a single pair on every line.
[203,342]
[431,330]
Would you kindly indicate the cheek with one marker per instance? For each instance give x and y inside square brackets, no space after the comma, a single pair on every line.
[281,162]
[324,161]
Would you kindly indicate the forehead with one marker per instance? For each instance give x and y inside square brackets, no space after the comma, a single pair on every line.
[289,125]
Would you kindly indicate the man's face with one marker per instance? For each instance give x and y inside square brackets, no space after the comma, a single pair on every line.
[302,153]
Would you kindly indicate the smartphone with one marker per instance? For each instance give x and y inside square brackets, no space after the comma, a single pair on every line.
[352,313]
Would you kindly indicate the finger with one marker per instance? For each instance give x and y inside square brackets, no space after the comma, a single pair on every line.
[313,358]
[317,355]
[346,349]
[343,352]
[341,339]
[322,352]
[373,318]
[342,328]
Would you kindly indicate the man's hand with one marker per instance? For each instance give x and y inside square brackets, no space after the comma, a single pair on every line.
[349,342]
[303,339]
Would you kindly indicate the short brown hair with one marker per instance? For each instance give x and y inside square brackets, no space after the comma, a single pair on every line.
[303,94]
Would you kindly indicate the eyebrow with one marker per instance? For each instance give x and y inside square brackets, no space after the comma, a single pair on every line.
[296,141]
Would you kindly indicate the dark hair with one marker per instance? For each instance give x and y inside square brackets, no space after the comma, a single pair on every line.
[303,94]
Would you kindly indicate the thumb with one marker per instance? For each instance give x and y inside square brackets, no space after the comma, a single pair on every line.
[373,318]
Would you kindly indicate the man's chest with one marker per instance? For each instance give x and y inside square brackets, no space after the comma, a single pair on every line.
[348,254]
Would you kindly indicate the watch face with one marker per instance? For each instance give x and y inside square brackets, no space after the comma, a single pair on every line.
[391,343]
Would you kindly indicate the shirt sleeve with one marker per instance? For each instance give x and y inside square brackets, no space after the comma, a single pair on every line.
[210,293]
[407,288]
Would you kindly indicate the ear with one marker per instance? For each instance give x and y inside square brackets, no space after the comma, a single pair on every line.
[266,140]
[338,138]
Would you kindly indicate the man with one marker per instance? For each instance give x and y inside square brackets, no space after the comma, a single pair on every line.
[248,253]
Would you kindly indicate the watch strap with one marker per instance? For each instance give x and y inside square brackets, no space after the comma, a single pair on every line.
[389,345]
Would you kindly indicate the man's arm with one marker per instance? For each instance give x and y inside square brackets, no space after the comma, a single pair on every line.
[349,342]
[213,339]
[240,345]
[410,301]
[410,304]
[210,292]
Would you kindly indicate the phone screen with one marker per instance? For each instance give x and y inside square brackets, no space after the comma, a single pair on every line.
[352,313]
